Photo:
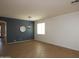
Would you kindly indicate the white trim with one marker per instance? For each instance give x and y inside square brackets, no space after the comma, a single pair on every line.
[57,45]
[19,41]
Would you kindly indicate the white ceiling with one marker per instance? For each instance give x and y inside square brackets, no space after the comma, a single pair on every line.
[38,9]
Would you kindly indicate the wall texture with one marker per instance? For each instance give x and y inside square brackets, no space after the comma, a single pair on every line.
[61,30]
[13,29]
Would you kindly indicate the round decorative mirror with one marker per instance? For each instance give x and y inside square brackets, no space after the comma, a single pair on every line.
[22,28]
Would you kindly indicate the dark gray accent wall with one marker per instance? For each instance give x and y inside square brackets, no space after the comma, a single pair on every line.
[13,29]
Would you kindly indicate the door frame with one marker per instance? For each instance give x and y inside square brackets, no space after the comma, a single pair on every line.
[5,30]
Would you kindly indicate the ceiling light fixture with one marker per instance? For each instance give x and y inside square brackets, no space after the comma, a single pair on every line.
[34,18]
[75,1]
[30,18]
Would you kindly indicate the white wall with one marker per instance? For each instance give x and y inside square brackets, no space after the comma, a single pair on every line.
[61,30]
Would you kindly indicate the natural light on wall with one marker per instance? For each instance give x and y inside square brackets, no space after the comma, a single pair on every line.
[41,28]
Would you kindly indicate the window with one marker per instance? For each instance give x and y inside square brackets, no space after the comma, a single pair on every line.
[41,28]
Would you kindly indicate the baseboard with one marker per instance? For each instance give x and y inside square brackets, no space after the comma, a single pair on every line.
[57,45]
[20,41]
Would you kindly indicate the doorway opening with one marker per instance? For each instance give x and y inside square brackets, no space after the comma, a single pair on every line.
[3,32]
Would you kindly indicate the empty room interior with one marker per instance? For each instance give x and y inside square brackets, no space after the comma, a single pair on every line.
[39,28]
